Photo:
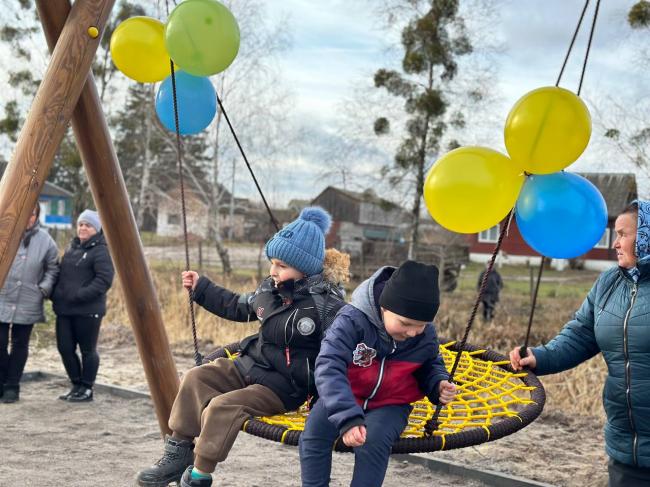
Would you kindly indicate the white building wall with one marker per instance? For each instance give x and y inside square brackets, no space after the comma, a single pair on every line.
[197,219]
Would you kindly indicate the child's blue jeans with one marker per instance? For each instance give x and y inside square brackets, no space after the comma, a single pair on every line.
[383,427]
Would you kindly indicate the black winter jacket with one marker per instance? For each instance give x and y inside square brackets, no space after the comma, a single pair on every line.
[493,286]
[282,354]
[85,278]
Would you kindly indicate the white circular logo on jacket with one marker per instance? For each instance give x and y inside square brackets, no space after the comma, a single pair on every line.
[306,326]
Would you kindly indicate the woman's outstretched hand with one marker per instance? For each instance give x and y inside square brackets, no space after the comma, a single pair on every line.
[518,362]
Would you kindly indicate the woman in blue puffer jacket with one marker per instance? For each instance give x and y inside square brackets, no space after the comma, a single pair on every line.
[615,321]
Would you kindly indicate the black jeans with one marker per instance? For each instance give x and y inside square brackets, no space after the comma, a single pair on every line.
[12,363]
[82,331]
[622,475]
[488,309]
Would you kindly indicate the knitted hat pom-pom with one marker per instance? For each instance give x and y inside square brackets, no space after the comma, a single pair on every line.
[318,216]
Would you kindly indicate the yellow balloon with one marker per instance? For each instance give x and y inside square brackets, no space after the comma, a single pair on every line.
[138,49]
[471,189]
[547,129]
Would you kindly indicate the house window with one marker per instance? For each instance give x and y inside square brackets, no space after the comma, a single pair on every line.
[173,219]
[603,243]
[491,235]
[61,204]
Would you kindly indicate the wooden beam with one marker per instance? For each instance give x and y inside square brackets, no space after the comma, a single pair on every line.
[46,123]
[111,198]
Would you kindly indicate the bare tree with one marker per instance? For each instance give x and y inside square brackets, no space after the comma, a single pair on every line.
[251,90]
[623,122]
[355,158]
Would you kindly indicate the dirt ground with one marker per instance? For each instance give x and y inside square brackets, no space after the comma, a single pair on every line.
[47,442]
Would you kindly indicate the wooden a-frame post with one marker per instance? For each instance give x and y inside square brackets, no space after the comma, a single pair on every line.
[67,85]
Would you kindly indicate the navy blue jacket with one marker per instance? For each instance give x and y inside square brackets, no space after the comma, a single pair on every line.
[360,367]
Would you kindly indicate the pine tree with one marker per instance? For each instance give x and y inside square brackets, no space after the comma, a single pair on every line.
[432,43]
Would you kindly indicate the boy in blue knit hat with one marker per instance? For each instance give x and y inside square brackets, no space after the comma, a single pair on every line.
[274,370]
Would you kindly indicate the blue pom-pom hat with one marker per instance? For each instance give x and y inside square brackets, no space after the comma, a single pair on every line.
[301,244]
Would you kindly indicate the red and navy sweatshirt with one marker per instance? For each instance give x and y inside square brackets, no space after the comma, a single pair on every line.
[360,367]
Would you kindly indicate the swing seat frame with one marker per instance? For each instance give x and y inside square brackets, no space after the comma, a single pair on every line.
[493,401]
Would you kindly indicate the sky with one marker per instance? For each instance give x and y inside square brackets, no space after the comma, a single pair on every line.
[338,45]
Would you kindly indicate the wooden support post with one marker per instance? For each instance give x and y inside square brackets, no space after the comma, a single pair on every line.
[111,198]
[46,123]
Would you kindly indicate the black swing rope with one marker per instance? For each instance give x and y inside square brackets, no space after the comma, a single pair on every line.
[523,350]
[250,169]
[198,359]
[272,218]
[433,423]
[197,355]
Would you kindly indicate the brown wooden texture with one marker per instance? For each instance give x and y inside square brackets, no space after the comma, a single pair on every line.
[111,198]
[46,123]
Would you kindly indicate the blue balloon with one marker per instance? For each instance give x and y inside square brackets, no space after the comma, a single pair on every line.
[197,103]
[561,215]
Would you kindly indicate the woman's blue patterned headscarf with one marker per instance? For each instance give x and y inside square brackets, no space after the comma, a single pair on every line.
[642,247]
[643,231]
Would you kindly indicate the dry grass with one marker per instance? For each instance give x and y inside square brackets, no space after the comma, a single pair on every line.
[211,330]
[575,392]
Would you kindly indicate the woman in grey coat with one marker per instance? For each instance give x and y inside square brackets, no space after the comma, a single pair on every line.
[614,320]
[30,280]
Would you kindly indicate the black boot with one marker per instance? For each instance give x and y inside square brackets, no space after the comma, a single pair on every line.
[74,390]
[84,394]
[2,389]
[11,394]
[188,481]
[176,458]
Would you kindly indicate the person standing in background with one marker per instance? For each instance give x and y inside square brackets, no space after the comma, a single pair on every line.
[79,300]
[30,280]
[490,296]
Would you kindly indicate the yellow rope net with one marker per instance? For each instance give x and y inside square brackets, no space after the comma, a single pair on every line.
[487,394]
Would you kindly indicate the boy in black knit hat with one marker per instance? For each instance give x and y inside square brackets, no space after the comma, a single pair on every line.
[379,356]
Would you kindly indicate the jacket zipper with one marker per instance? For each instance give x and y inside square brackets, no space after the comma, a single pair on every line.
[628,379]
[287,352]
[379,378]
[83,257]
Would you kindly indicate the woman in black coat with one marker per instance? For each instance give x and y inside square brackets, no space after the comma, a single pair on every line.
[79,301]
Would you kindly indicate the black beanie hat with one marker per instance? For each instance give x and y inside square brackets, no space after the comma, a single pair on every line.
[412,291]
